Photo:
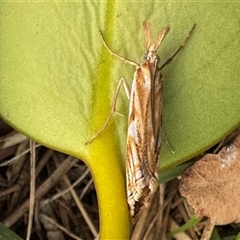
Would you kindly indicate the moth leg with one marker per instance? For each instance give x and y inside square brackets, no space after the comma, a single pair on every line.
[125,60]
[169,60]
[113,110]
[167,142]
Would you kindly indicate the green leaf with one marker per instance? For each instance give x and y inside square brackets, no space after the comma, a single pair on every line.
[215,235]
[8,234]
[193,221]
[57,82]
[238,236]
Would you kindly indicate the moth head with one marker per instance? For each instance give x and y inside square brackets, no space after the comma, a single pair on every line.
[152,47]
[150,56]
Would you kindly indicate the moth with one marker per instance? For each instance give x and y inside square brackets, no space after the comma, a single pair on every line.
[144,122]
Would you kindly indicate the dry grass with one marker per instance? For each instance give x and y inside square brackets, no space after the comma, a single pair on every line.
[66,203]
[65,198]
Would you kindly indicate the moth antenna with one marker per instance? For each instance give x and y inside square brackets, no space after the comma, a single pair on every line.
[147,33]
[161,35]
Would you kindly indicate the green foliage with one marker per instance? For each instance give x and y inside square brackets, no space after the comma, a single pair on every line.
[193,221]
[7,234]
